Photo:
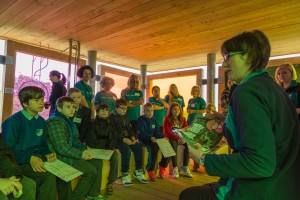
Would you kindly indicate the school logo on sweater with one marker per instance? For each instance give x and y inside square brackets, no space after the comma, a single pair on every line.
[39,132]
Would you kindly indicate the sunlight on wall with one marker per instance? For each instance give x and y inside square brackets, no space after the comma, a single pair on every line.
[184,85]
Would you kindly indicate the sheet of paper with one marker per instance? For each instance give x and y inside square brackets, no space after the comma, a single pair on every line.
[62,170]
[103,154]
[165,147]
[195,128]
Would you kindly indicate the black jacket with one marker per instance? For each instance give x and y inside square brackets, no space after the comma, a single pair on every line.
[122,126]
[101,134]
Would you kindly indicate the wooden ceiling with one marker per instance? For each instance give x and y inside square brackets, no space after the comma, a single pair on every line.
[164,34]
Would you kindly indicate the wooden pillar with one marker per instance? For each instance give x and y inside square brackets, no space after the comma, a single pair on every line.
[92,59]
[211,65]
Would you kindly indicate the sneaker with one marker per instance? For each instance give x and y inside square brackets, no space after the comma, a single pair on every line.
[175,173]
[186,171]
[109,190]
[126,179]
[139,175]
[152,176]
[162,172]
[95,198]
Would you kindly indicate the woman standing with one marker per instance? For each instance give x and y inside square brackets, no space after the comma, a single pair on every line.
[174,96]
[85,73]
[58,88]
[174,119]
[261,127]
[196,105]
[286,77]
[105,96]
[134,97]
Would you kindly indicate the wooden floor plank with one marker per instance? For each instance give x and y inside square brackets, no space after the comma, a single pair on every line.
[162,189]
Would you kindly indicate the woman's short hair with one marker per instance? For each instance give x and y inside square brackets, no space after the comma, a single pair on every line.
[81,70]
[255,43]
[290,67]
[105,79]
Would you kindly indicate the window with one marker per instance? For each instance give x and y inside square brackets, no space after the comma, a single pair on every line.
[34,70]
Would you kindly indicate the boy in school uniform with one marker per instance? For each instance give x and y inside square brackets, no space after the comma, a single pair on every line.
[102,135]
[148,132]
[127,143]
[23,133]
[62,137]
[82,116]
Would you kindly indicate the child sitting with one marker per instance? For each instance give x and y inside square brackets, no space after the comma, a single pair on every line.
[175,119]
[148,132]
[62,137]
[23,133]
[102,135]
[127,143]
[82,116]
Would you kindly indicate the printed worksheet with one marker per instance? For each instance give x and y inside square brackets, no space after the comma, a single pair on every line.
[103,154]
[62,170]
[165,147]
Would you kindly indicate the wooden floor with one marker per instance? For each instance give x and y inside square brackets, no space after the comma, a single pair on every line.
[168,188]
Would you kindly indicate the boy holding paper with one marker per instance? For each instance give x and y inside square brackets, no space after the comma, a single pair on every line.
[148,132]
[23,133]
[102,135]
[62,137]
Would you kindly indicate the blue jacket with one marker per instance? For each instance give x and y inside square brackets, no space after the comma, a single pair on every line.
[147,128]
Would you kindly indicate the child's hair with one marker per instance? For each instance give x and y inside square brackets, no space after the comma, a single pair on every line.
[170,116]
[120,102]
[30,92]
[59,75]
[72,90]
[102,106]
[148,105]
[210,107]
[81,69]
[60,101]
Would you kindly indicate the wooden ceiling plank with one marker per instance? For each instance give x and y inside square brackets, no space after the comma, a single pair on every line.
[5,4]
[20,16]
[85,28]
[36,22]
[155,37]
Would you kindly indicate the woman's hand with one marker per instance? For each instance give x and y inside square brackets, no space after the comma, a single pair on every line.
[37,164]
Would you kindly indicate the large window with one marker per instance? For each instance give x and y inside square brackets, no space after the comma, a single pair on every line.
[184,85]
[34,70]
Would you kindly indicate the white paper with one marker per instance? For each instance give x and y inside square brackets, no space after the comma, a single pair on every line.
[165,147]
[62,170]
[103,154]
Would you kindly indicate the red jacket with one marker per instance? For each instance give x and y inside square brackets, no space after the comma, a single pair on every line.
[167,129]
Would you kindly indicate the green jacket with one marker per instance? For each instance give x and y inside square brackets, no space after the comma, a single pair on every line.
[263,129]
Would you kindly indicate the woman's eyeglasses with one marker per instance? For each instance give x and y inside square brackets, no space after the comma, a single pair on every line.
[227,56]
